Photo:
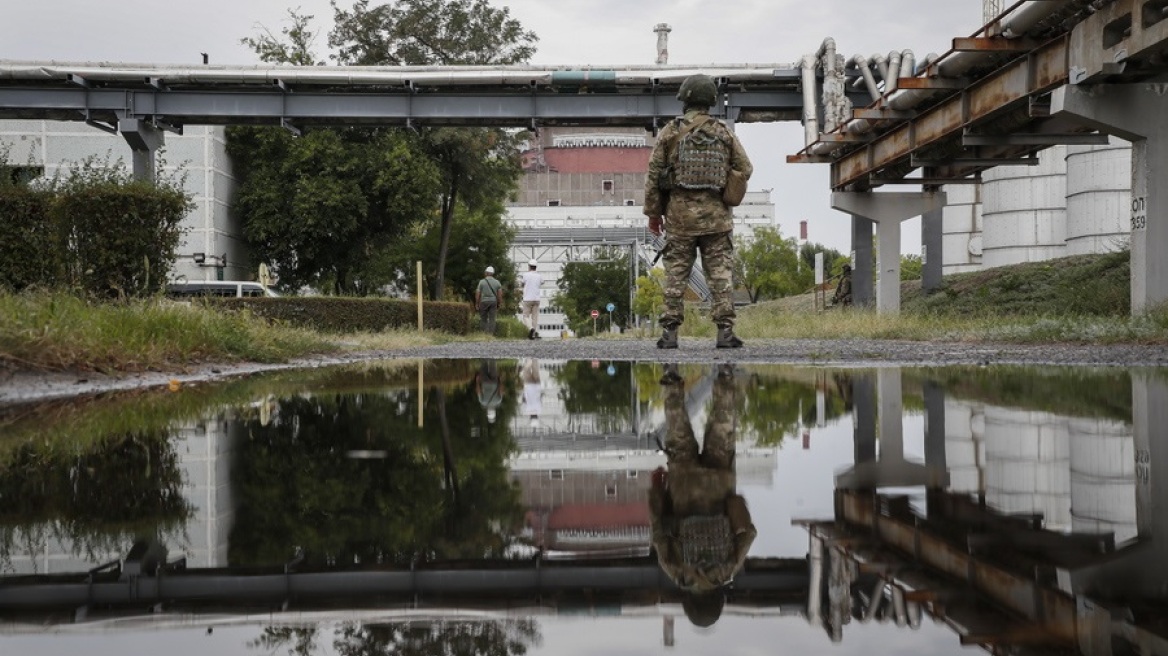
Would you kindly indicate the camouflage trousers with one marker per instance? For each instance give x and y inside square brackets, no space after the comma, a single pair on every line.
[718,263]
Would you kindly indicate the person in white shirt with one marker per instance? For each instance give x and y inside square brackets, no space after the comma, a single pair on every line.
[531,283]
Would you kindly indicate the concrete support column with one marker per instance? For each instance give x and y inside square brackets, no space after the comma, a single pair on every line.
[1134,112]
[144,140]
[862,266]
[864,407]
[934,395]
[888,210]
[932,249]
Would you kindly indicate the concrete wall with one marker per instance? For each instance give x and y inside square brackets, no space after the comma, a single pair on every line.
[200,155]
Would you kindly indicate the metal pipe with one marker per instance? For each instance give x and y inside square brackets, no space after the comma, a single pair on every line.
[1024,18]
[518,75]
[810,108]
[866,75]
[881,64]
[907,63]
[893,77]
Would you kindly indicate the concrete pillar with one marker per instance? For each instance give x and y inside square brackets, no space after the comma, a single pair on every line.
[1134,112]
[932,249]
[890,469]
[934,395]
[888,210]
[144,140]
[864,407]
[862,266]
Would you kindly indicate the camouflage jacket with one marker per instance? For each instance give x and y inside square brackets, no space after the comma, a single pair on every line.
[689,212]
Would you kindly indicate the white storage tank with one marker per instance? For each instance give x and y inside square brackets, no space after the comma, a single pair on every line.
[963,447]
[961,229]
[1098,197]
[1024,211]
[1103,477]
[1027,468]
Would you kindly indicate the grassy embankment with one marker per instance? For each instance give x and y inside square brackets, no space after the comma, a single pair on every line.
[1079,300]
[1082,299]
[60,332]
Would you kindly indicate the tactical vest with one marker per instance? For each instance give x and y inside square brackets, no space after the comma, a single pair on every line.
[702,157]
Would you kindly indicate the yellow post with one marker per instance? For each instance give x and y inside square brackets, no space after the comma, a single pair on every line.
[419,296]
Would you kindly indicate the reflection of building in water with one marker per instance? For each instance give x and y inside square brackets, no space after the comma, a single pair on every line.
[1078,474]
[204,459]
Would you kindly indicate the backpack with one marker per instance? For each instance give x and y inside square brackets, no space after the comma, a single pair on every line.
[702,157]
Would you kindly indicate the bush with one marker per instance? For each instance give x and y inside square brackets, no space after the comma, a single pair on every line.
[30,242]
[337,314]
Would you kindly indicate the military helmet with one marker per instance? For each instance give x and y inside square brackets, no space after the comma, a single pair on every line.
[698,90]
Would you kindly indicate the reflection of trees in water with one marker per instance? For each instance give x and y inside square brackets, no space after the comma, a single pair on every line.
[98,501]
[593,400]
[773,406]
[429,638]
[438,491]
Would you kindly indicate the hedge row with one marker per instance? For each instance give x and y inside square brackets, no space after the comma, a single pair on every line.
[344,315]
[107,238]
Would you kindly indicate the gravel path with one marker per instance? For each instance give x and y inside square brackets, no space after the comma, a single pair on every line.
[24,386]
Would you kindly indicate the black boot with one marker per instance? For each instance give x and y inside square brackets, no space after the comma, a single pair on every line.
[727,339]
[531,334]
[668,339]
[671,376]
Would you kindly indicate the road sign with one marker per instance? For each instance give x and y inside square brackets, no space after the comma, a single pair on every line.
[610,307]
[595,313]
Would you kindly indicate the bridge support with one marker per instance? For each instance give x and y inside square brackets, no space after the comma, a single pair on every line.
[1134,112]
[891,469]
[144,140]
[888,210]
[862,283]
[932,248]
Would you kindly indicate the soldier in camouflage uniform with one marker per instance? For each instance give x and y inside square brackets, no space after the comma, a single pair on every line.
[701,528]
[694,219]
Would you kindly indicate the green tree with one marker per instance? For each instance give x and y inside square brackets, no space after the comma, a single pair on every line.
[321,208]
[911,267]
[479,166]
[482,238]
[587,286]
[767,266]
[294,48]
[649,297]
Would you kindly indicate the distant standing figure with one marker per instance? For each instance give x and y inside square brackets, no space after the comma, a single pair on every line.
[843,291]
[488,298]
[531,283]
[696,158]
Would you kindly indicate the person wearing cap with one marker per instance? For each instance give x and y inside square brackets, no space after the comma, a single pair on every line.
[488,298]
[531,283]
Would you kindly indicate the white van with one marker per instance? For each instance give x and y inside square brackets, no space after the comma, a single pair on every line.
[219,288]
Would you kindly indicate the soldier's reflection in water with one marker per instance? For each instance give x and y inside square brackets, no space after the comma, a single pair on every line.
[701,527]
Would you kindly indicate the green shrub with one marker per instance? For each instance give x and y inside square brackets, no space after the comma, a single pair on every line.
[338,314]
[509,327]
[30,242]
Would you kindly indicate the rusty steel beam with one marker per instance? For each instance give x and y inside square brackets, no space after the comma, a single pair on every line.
[993,44]
[943,83]
[1054,612]
[881,114]
[1040,71]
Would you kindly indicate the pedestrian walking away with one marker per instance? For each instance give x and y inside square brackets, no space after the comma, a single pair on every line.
[488,298]
[697,173]
[531,284]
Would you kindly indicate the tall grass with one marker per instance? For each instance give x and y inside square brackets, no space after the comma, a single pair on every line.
[781,323]
[58,331]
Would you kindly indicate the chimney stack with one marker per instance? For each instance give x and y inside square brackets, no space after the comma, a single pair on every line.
[662,30]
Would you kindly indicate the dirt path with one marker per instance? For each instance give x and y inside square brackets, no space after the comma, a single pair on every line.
[17,387]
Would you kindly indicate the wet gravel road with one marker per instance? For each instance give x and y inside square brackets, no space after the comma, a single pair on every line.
[17,387]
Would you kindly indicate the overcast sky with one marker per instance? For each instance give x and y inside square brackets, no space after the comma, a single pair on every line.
[571,32]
